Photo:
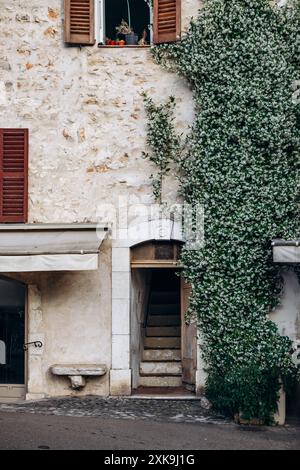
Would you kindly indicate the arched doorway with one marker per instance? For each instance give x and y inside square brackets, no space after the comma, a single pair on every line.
[12,338]
[163,344]
[126,328]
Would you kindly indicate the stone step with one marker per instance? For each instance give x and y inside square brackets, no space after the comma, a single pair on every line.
[162,342]
[150,381]
[160,368]
[163,320]
[164,309]
[161,355]
[163,331]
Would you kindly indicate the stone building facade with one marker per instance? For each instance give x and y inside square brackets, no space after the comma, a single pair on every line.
[85,116]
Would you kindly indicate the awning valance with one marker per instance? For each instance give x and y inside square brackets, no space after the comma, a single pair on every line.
[50,247]
[285,251]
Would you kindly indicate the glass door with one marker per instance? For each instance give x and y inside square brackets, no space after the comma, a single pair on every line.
[12,338]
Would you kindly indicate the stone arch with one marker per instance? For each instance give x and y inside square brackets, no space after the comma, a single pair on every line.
[157,229]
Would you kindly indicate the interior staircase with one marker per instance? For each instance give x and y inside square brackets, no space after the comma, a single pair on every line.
[161,358]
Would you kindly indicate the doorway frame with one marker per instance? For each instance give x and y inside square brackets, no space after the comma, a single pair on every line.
[25,339]
[159,230]
[139,315]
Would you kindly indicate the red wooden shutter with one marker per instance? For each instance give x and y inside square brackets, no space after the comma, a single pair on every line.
[166,21]
[79,22]
[13,175]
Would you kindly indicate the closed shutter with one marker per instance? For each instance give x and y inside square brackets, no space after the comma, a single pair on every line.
[79,22]
[13,175]
[166,21]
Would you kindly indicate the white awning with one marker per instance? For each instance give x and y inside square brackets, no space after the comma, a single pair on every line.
[50,247]
[286,251]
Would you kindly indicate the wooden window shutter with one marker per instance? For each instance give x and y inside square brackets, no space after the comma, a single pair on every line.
[13,175]
[166,21]
[80,22]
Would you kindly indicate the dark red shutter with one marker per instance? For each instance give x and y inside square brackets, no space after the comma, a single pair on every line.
[166,21]
[13,175]
[80,22]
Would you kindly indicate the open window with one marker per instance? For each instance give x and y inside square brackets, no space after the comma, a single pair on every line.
[123,22]
[128,23]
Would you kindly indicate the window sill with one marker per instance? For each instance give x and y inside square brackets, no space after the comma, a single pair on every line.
[104,46]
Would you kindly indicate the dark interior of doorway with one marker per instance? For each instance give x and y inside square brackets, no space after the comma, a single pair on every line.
[293,405]
[161,365]
[12,332]
[164,295]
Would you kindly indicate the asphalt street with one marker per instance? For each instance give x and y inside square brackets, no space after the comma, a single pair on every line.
[21,431]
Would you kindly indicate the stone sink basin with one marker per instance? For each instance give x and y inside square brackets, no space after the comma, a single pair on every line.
[77,372]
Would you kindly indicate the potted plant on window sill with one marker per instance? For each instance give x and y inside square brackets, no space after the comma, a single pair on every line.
[127,32]
[131,39]
[125,28]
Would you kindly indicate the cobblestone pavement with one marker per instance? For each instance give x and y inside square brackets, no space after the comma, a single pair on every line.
[176,411]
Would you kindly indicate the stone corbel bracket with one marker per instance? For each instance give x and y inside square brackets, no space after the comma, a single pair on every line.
[77,373]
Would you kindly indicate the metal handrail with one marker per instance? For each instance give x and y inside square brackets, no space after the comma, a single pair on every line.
[37,344]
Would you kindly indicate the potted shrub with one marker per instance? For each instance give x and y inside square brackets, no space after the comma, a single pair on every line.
[124,30]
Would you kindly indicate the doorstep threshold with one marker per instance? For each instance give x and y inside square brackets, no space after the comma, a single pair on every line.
[163,393]
[163,397]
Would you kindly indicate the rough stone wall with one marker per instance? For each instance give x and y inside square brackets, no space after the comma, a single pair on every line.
[83,109]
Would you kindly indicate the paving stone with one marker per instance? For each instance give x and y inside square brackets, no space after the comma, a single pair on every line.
[186,411]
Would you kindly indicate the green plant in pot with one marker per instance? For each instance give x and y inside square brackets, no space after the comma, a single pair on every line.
[126,29]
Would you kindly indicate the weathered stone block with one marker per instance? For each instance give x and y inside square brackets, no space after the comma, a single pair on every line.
[120,382]
[22,18]
[4,64]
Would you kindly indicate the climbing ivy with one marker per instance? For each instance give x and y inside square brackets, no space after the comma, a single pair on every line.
[241,58]
[162,140]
